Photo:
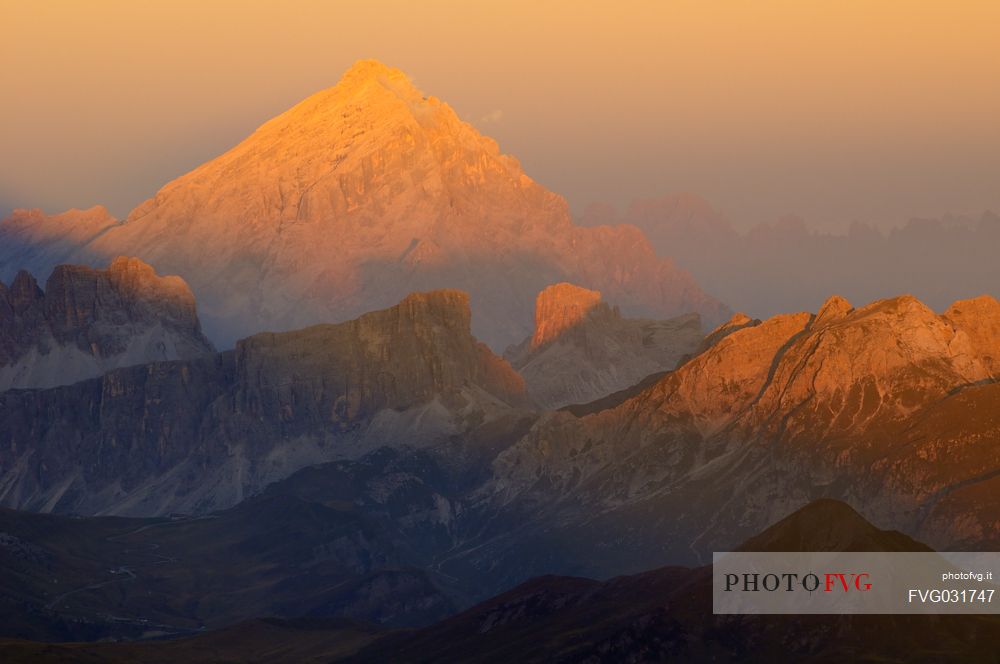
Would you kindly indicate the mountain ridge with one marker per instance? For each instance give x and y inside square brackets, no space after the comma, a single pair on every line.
[87,322]
[665,614]
[218,429]
[889,407]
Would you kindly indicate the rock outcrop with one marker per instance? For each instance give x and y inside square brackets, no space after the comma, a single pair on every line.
[396,359]
[363,193]
[87,322]
[201,435]
[583,349]
[979,320]
[559,308]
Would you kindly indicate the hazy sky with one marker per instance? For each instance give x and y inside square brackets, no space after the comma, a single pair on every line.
[834,110]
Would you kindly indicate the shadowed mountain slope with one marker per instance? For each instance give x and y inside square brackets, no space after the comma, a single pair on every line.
[202,435]
[660,615]
[87,322]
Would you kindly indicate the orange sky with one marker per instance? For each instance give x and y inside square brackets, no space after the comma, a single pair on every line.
[873,110]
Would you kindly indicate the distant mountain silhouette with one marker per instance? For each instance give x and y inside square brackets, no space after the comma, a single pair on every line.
[786,266]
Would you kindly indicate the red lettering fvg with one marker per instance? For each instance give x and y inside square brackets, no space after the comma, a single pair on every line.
[846,582]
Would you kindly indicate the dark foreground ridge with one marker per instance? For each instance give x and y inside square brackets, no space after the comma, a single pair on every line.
[661,615]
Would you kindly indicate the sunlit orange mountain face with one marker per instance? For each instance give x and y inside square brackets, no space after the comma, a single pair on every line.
[359,389]
[348,201]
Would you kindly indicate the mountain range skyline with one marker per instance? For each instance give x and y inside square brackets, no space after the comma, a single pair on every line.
[367,382]
[371,189]
[784,266]
[845,115]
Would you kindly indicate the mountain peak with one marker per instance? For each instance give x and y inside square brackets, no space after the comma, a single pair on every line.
[829,525]
[735,322]
[978,319]
[395,358]
[364,192]
[371,69]
[369,96]
[835,308]
[982,307]
[738,321]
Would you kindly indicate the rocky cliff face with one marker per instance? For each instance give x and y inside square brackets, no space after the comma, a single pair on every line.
[201,435]
[365,192]
[87,322]
[558,309]
[889,407]
[583,349]
[398,358]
